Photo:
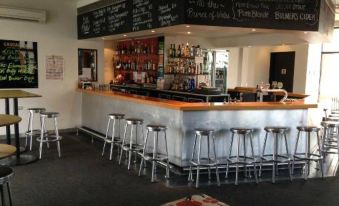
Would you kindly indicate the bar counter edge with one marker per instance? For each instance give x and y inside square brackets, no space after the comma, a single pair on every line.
[186,106]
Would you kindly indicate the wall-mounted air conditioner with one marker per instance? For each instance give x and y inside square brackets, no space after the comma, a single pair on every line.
[23,14]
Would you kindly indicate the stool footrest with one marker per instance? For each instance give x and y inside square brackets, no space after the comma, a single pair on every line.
[135,147]
[242,160]
[310,157]
[116,140]
[205,162]
[149,157]
[51,138]
[279,158]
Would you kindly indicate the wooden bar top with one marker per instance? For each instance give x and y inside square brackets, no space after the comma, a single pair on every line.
[254,90]
[16,94]
[186,106]
[6,120]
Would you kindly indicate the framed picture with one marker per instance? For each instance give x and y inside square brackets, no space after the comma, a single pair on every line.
[87,65]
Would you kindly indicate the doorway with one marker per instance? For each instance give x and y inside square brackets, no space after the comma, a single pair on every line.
[282,69]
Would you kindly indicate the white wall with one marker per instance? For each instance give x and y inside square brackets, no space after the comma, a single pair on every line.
[57,37]
[255,65]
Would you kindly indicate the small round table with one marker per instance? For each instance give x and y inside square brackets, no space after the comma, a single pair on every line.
[6,150]
[7,120]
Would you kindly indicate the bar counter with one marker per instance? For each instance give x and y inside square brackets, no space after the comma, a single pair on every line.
[182,118]
[187,106]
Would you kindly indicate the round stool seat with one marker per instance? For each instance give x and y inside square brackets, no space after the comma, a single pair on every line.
[5,174]
[156,128]
[203,131]
[116,116]
[241,130]
[37,110]
[308,129]
[277,130]
[134,121]
[50,114]
[330,124]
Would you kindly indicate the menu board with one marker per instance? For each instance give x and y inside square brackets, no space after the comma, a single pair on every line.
[169,13]
[18,64]
[124,16]
[113,19]
[142,15]
[270,14]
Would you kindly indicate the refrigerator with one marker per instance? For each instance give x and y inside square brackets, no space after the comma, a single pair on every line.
[216,63]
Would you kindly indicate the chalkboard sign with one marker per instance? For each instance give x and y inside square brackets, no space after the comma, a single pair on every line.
[113,19]
[273,14]
[169,13]
[125,16]
[18,64]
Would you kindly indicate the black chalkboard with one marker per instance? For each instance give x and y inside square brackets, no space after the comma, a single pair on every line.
[169,13]
[18,64]
[125,16]
[273,14]
[113,19]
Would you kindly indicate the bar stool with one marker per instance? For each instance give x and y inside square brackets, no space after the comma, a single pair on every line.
[5,174]
[203,162]
[114,140]
[308,155]
[330,137]
[155,157]
[132,146]
[30,133]
[45,138]
[276,134]
[242,159]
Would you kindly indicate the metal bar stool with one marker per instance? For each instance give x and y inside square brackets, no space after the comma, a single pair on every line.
[5,174]
[308,155]
[132,146]
[242,159]
[113,140]
[203,162]
[30,133]
[46,138]
[276,134]
[330,138]
[155,157]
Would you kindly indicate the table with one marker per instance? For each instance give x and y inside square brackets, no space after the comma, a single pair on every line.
[15,95]
[6,150]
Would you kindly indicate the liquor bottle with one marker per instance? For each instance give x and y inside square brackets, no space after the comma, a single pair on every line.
[174,53]
[182,50]
[179,51]
[170,52]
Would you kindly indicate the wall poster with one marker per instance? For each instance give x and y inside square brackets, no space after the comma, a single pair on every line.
[55,67]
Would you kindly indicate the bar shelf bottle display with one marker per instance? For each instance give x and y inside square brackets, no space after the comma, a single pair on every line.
[137,58]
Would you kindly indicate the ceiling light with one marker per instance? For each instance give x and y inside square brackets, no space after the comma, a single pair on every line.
[125,35]
[305,32]
[188,32]
[254,30]
[153,31]
[188,26]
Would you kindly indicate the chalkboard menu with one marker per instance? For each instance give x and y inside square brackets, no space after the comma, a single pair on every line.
[124,16]
[271,14]
[169,13]
[18,64]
